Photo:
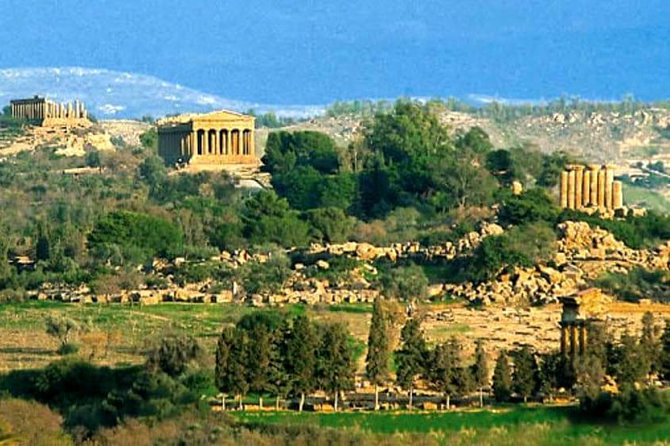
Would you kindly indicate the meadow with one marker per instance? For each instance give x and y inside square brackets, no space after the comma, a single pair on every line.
[557,425]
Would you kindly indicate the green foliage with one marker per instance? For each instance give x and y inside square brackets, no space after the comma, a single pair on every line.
[267,277]
[335,365]
[406,283]
[149,140]
[63,328]
[410,358]
[524,379]
[502,378]
[285,151]
[443,368]
[269,219]
[639,283]
[138,236]
[300,358]
[174,354]
[330,225]
[664,359]
[531,206]
[630,407]
[379,352]
[521,246]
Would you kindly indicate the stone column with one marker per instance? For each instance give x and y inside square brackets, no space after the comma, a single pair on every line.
[573,340]
[571,188]
[582,339]
[617,192]
[601,188]
[579,186]
[586,191]
[564,340]
[609,196]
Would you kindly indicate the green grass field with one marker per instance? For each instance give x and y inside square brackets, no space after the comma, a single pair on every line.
[517,426]
[647,198]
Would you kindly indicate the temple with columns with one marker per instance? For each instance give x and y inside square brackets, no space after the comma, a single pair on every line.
[46,113]
[217,138]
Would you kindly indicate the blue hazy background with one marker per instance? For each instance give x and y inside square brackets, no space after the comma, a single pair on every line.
[287,52]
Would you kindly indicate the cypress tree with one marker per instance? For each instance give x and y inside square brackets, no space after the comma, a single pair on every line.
[502,378]
[335,361]
[480,370]
[231,363]
[221,370]
[525,373]
[665,351]
[410,358]
[442,369]
[259,360]
[377,359]
[301,357]
[650,345]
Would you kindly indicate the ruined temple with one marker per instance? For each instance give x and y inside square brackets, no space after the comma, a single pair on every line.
[590,186]
[46,113]
[217,138]
[579,311]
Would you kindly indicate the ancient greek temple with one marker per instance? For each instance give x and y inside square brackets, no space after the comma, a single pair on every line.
[580,311]
[222,137]
[46,113]
[590,186]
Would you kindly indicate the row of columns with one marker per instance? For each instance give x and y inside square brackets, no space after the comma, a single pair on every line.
[590,187]
[66,111]
[224,142]
[43,109]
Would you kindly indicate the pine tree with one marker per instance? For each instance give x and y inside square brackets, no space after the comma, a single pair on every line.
[480,370]
[377,359]
[443,368]
[525,373]
[502,378]
[665,351]
[301,357]
[410,358]
[335,361]
[650,345]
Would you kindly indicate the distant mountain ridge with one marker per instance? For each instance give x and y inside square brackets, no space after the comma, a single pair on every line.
[116,94]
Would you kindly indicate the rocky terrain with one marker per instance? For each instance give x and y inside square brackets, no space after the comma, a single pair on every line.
[594,136]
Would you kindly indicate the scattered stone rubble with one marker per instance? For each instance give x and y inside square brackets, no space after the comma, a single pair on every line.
[583,254]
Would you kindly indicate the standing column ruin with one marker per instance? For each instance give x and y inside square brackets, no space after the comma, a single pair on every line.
[586,188]
[579,186]
[609,180]
[571,189]
[564,189]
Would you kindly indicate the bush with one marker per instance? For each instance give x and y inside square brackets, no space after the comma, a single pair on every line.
[68,348]
[631,406]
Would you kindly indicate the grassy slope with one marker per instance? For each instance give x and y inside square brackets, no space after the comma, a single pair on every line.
[517,426]
[646,198]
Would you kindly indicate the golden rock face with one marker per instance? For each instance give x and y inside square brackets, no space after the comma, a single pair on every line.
[208,139]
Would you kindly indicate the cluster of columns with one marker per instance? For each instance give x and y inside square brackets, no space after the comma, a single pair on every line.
[40,109]
[592,186]
[573,338]
[70,110]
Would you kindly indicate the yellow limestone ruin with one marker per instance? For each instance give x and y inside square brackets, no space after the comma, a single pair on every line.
[590,187]
[47,113]
[217,138]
